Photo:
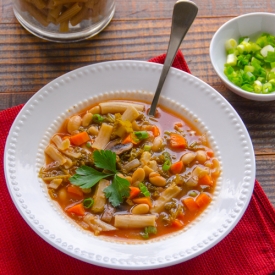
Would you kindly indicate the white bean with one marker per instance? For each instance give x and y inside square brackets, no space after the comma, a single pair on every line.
[201,156]
[157,144]
[138,176]
[147,170]
[140,209]
[95,110]
[74,124]
[156,179]
[86,119]
[93,131]
[188,158]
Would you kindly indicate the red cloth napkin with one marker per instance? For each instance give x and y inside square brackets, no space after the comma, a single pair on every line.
[248,249]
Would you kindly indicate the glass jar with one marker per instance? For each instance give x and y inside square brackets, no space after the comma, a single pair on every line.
[64,20]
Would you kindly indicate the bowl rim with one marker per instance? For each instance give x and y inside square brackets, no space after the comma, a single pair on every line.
[227,83]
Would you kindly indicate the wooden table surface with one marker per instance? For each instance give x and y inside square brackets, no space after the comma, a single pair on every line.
[138,31]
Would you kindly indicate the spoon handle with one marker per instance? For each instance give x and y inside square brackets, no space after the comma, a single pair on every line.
[184,14]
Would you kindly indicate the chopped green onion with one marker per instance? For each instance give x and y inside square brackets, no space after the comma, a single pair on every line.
[267,88]
[144,190]
[230,44]
[87,203]
[147,231]
[264,51]
[147,147]
[231,59]
[166,165]
[257,86]
[167,161]
[97,118]
[142,135]
[249,65]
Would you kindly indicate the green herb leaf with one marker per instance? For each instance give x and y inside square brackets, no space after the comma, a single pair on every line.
[105,159]
[86,177]
[117,191]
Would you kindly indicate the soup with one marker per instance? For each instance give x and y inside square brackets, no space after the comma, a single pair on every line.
[120,173]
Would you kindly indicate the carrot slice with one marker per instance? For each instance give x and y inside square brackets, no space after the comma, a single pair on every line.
[203,200]
[177,141]
[80,138]
[178,124]
[75,190]
[190,204]
[77,209]
[176,167]
[129,139]
[206,180]
[155,131]
[134,192]
[180,215]
[177,223]
[145,200]
[210,154]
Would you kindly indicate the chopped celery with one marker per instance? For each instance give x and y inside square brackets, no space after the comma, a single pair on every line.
[251,65]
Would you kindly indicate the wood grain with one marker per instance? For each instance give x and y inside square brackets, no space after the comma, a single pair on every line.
[138,31]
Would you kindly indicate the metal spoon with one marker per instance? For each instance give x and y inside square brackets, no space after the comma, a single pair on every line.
[184,14]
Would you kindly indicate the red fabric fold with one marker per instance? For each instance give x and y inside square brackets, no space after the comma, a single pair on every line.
[248,249]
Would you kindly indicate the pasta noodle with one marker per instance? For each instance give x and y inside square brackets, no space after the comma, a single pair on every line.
[40,4]
[56,11]
[69,13]
[64,26]
[61,2]
[79,16]
[37,14]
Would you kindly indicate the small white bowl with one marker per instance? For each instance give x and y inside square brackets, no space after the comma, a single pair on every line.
[251,25]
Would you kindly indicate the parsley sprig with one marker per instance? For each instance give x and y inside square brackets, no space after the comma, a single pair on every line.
[86,177]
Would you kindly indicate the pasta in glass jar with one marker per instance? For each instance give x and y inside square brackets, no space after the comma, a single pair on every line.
[64,20]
